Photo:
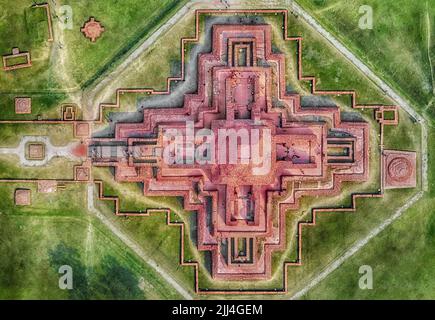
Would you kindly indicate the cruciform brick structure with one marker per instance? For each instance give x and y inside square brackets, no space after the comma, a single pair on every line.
[240,194]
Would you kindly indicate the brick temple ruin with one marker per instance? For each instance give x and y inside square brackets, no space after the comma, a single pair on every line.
[241,86]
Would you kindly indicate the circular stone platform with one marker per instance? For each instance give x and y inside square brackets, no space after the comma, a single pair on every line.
[92,29]
[400,169]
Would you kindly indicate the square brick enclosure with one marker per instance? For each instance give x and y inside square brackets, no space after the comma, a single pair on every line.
[22,197]
[23,105]
[399,169]
[36,151]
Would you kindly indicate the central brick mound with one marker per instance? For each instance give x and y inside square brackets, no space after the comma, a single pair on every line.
[241,205]
[399,169]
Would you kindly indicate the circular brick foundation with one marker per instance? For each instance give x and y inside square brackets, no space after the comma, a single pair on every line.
[400,169]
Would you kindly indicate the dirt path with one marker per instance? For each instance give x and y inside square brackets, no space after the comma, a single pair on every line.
[59,56]
[132,245]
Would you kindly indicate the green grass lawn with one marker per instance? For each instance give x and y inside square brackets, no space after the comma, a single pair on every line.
[151,232]
[399,47]
[45,105]
[125,22]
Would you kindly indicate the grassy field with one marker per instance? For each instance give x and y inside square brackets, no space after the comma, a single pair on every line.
[45,105]
[26,28]
[126,23]
[342,229]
